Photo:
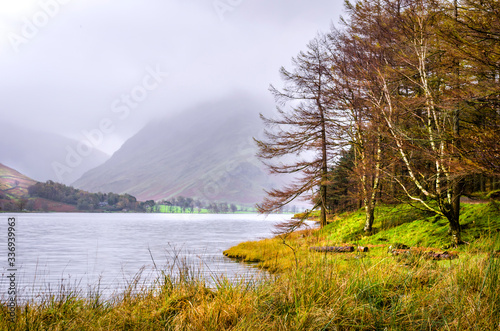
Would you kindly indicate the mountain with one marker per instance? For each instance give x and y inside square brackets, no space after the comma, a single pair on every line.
[207,153]
[39,155]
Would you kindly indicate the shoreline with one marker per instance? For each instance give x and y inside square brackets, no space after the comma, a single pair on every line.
[310,290]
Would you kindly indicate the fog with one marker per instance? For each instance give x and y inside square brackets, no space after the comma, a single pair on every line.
[68,65]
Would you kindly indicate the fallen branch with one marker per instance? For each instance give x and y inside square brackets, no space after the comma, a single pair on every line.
[334,249]
[442,256]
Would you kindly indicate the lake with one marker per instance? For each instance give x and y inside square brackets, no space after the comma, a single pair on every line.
[82,251]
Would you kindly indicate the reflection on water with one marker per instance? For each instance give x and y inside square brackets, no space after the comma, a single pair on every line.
[105,252]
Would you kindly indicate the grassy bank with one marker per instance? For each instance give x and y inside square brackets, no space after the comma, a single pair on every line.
[395,225]
[312,291]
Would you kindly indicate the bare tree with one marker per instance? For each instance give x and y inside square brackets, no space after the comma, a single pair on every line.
[356,53]
[302,131]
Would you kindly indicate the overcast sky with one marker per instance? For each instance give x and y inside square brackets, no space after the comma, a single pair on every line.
[69,65]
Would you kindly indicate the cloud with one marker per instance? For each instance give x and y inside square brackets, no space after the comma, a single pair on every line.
[66,76]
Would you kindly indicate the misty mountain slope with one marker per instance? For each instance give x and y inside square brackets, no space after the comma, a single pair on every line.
[207,153]
[34,153]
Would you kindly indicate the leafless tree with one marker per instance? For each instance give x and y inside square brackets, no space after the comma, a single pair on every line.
[301,139]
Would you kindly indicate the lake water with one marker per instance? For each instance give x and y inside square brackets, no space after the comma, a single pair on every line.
[85,251]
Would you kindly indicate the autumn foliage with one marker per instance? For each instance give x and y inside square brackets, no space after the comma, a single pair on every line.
[410,89]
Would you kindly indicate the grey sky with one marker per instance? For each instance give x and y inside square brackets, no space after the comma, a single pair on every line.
[67,65]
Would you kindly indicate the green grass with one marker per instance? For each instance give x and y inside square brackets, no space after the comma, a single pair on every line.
[413,227]
[395,224]
[326,292]
[314,291]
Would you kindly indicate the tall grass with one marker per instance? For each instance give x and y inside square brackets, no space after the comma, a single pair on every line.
[326,292]
[304,290]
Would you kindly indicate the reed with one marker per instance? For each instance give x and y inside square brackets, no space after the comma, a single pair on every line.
[323,291]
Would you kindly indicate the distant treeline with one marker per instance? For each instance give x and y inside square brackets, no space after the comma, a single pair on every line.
[184,204]
[86,201]
[181,204]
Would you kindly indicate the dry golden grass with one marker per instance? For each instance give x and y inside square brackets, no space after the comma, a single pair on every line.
[304,291]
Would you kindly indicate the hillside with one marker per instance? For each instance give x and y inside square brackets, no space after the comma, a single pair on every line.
[34,152]
[14,193]
[206,153]
[21,193]
[13,184]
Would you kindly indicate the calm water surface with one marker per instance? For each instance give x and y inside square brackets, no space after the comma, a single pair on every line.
[84,251]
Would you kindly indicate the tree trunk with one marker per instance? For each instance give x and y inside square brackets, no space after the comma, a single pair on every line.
[370,217]
[324,166]
[452,213]
[323,205]
[455,232]
[371,194]
[393,182]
